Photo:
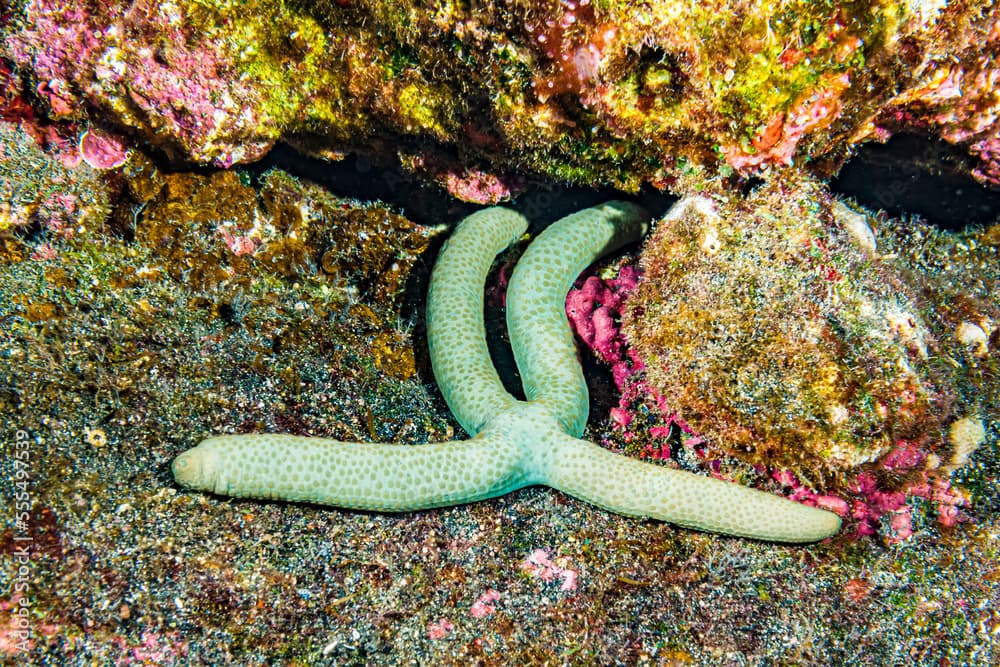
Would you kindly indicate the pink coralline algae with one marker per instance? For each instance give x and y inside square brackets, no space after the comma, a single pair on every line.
[468,184]
[905,456]
[957,98]
[483,606]
[594,310]
[538,565]
[52,189]
[103,150]
[239,245]
[872,504]
[85,54]
[479,187]
[54,137]
[776,144]
[153,649]
[802,494]
[15,625]
[44,252]
[13,106]
[440,628]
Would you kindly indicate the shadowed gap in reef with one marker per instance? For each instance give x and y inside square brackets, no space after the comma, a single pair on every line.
[918,176]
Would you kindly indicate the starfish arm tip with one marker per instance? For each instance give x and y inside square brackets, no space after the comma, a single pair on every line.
[636,488]
[456,334]
[380,477]
[193,470]
[540,336]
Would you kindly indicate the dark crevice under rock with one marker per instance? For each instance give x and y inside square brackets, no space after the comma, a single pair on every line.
[918,176]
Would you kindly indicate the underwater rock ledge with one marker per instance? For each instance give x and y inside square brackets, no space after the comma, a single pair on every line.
[475,97]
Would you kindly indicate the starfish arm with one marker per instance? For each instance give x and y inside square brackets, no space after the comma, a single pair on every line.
[456,334]
[365,476]
[540,334]
[634,488]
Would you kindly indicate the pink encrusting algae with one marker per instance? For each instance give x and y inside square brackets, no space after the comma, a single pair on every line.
[182,88]
[15,625]
[479,187]
[484,604]
[594,309]
[440,628]
[53,189]
[540,566]
[776,144]
[956,98]
[103,150]
[152,649]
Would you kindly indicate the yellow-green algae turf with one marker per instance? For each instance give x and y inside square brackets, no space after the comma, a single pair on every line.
[774,326]
[518,443]
[644,88]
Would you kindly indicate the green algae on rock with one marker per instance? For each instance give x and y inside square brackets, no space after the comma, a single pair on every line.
[772,324]
[610,92]
[39,188]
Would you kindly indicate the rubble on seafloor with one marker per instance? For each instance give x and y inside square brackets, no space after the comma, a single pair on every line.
[149,297]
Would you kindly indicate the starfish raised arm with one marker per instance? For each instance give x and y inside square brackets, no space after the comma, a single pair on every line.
[456,334]
[540,335]
[517,443]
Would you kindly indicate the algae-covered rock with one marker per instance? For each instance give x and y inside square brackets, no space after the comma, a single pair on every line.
[610,92]
[773,324]
[50,191]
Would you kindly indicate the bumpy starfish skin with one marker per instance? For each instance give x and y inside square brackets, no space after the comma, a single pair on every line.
[515,443]
[540,335]
[456,334]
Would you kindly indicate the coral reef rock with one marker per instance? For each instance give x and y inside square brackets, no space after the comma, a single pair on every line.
[769,324]
[478,96]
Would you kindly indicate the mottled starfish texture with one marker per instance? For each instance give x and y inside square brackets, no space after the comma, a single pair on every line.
[513,443]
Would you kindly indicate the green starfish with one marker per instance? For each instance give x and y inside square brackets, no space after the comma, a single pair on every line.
[513,443]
